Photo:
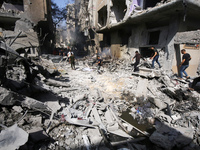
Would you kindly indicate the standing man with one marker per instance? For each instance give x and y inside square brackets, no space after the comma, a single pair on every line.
[69,54]
[184,64]
[99,63]
[61,52]
[72,60]
[155,57]
[137,61]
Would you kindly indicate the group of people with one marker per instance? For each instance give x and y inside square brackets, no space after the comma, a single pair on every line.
[154,58]
[70,57]
[183,65]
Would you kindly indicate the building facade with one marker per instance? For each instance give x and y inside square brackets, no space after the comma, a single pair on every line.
[129,25]
[28,24]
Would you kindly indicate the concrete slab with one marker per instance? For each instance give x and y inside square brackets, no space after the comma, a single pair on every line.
[54,106]
[142,88]
[12,138]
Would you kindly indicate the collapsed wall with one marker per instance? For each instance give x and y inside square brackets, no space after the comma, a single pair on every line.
[28,30]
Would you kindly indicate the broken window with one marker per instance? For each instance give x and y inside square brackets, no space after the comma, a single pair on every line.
[146,52]
[125,35]
[118,9]
[150,3]
[154,37]
[106,39]
[19,2]
[102,16]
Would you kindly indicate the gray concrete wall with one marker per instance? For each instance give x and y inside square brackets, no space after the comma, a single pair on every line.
[140,38]
[36,10]
[169,49]
[115,45]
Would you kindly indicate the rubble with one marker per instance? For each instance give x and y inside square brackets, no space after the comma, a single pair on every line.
[13,137]
[80,109]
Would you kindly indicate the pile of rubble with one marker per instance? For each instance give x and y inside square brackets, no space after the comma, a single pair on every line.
[61,108]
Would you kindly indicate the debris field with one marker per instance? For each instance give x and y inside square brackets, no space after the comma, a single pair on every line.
[59,108]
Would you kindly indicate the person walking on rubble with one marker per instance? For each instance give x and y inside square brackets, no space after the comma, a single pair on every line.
[155,57]
[184,64]
[137,61]
[72,61]
[99,63]
[69,54]
[71,58]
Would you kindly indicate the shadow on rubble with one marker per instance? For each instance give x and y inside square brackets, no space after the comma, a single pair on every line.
[179,133]
[195,85]
[173,127]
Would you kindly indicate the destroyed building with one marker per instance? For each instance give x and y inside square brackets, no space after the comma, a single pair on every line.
[47,105]
[26,26]
[129,25]
[70,24]
[81,26]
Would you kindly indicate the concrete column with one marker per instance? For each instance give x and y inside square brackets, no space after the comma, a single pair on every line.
[169,49]
[137,39]
[108,12]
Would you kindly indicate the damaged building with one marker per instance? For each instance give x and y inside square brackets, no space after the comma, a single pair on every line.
[26,26]
[81,26]
[47,104]
[129,25]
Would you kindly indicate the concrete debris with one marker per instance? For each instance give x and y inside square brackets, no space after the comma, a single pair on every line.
[113,110]
[6,97]
[12,138]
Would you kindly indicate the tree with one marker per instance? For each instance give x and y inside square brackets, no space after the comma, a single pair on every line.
[58,14]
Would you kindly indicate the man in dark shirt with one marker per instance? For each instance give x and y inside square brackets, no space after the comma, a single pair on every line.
[61,52]
[72,61]
[155,57]
[184,64]
[137,61]
[99,62]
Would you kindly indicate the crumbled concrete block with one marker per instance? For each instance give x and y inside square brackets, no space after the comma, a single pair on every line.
[12,138]
[185,136]
[158,103]
[176,116]
[6,97]
[142,88]
[34,104]
[36,120]
[17,109]
[54,106]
